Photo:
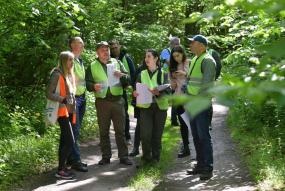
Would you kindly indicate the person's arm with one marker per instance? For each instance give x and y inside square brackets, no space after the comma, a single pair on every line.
[50,93]
[89,80]
[209,72]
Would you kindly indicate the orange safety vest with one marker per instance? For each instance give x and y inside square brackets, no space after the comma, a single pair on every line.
[62,109]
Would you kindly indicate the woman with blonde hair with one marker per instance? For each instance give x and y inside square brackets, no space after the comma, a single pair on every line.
[63,77]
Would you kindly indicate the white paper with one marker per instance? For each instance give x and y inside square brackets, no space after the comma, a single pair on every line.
[144,95]
[112,79]
[185,117]
[162,87]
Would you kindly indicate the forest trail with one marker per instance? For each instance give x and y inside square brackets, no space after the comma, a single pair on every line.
[230,173]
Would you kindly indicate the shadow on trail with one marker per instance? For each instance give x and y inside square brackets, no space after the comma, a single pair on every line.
[230,172]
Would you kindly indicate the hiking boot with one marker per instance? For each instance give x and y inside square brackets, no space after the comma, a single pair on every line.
[79,166]
[126,161]
[184,152]
[134,152]
[194,171]
[64,174]
[206,175]
[104,161]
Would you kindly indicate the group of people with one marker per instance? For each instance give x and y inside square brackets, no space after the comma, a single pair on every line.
[111,101]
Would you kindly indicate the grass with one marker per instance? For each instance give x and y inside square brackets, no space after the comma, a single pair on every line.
[147,177]
[263,152]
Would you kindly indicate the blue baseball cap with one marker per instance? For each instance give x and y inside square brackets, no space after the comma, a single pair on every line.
[199,38]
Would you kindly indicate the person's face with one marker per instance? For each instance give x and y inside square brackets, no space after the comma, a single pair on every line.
[194,46]
[150,60]
[69,63]
[76,46]
[103,54]
[115,49]
[178,56]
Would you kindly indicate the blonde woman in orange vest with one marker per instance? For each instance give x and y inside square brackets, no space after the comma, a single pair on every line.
[63,75]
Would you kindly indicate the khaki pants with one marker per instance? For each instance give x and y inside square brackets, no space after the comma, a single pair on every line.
[107,111]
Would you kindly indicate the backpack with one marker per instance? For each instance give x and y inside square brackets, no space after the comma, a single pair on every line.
[217,59]
[52,109]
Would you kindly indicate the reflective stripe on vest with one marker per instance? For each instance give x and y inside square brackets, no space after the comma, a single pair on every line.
[195,74]
[152,83]
[62,110]
[99,75]
[125,63]
[79,72]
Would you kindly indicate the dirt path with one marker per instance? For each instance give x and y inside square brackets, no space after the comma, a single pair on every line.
[229,172]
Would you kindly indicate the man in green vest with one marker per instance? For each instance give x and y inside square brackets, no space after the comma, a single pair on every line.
[106,77]
[119,54]
[201,76]
[77,45]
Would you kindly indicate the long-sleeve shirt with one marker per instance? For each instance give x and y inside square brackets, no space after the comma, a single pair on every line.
[125,80]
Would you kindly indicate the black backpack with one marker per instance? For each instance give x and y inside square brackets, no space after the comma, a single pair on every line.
[217,59]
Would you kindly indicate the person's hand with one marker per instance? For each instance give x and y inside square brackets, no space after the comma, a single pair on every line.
[179,73]
[64,101]
[135,94]
[154,91]
[118,74]
[98,87]
[173,85]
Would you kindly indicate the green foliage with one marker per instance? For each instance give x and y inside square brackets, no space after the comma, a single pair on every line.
[260,132]
[25,155]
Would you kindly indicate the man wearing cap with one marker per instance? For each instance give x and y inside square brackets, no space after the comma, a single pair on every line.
[109,102]
[119,54]
[201,76]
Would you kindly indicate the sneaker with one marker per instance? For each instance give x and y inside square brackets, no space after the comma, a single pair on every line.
[104,161]
[79,167]
[126,161]
[206,175]
[134,153]
[64,174]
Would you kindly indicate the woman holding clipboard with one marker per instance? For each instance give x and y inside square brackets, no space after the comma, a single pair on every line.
[152,114]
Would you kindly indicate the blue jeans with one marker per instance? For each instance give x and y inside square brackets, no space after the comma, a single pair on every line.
[202,139]
[80,110]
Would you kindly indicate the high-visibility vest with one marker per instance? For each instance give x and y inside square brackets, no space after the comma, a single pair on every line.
[79,72]
[152,83]
[99,75]
[62,109]
[195,74]
[126,64]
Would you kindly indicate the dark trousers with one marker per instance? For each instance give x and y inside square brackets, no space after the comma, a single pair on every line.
[107,111]
[152,121]
[202,139]
[137,138]
[127,118]
[174,120]
[183,127]
[80,111]
[66,141]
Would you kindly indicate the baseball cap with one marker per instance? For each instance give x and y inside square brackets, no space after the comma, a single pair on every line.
[100,44]
[199,38]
